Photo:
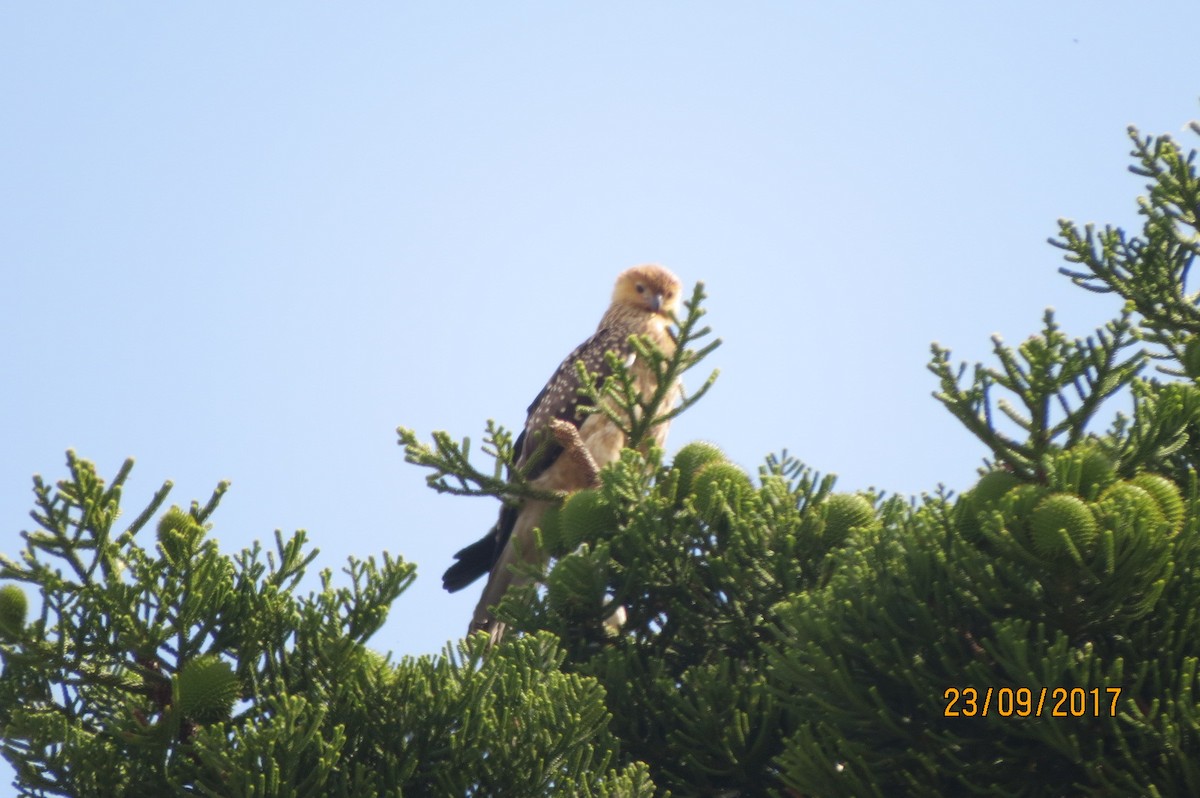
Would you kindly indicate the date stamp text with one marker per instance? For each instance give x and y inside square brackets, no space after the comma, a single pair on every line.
[1023,702]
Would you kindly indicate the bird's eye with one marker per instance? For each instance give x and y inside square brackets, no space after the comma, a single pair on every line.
[641,288]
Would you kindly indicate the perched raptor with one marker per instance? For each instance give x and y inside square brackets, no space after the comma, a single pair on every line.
[643,300]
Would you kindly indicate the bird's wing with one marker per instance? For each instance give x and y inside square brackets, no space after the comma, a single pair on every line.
[535,449]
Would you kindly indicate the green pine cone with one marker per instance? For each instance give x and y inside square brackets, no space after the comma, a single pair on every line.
[585,517]
[1166,495]
[846,511]
[206,689]
[174,520]
[992,486]
[176,531]
[1058,518]
[1125,507]
[966,517]
[1097,472]
[691,459]
[13,608]
[551,527]
[719,480]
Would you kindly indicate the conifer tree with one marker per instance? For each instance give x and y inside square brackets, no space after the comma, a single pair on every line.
[766,636]
[696,630]
[157,666]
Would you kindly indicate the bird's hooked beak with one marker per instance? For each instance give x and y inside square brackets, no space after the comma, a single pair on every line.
[656,302]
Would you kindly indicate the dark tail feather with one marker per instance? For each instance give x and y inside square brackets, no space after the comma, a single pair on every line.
[477,559]
[471,563]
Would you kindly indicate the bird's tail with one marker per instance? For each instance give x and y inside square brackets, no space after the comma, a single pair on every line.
[477,559]
[519,549]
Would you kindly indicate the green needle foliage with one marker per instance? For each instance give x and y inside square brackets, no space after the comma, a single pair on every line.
[766,636]
[1056,386]
[697,630]
[1071,566]
[160,666]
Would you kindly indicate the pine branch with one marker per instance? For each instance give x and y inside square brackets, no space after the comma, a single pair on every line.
[454,473]
[139,649]
[1149,271]
[1058,385]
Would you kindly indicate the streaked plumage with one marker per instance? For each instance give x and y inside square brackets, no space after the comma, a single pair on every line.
[643,300]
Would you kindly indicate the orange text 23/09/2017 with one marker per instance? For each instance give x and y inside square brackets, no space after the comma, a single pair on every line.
[1024,702]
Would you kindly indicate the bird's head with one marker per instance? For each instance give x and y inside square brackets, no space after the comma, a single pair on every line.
[649,288]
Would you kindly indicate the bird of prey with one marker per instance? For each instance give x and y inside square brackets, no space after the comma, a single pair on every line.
[550,449]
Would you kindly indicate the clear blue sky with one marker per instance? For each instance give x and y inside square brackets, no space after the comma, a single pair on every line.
[247,242]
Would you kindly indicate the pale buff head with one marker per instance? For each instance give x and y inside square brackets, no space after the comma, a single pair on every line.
[649,288]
